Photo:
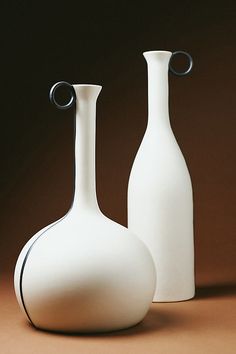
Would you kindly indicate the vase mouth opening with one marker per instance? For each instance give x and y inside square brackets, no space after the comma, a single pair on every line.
[86,85]
[157,52]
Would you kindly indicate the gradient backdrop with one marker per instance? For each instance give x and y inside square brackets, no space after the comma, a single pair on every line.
[102,43]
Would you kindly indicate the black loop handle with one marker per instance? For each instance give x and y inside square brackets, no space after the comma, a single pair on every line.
[190,63]
[72,95]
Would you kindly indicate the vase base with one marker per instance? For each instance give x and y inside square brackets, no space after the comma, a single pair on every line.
[180,299]
[87,331]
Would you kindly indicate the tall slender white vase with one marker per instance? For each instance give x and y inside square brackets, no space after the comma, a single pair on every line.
[84,273]
[160,204]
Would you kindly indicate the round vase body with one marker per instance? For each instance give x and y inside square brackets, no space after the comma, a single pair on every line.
[87,274]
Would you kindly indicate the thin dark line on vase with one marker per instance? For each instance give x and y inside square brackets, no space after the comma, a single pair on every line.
[24,263]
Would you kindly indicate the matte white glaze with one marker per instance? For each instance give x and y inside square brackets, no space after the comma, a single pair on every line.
[85,273]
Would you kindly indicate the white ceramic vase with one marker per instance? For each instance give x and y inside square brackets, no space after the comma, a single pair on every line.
[85,273]
[160,204]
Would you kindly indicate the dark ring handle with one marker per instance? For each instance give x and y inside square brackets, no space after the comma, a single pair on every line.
[190,63]
[72,94]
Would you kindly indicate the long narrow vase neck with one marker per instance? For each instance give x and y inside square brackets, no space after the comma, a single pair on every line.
[85,129]
[158,88]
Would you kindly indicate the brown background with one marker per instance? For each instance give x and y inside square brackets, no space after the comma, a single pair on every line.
[102,43]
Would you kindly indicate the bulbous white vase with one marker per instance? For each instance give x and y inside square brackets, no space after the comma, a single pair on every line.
[84,273]
[160,205]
